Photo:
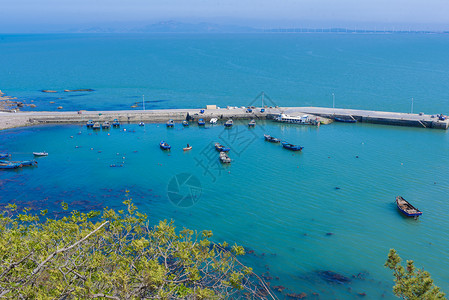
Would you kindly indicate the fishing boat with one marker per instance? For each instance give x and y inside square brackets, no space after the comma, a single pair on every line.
[164,145]
[221,148]
[291,146]
[96,125]
[106,125]
[406,208]
[141,124]
[213,121]
[229,123]
[116,123]
[302,120]
[187,148]
[185,123]
[201,122]
[271,139]
[170,123]
[345,120]
[23,163]
[10,166]
[224,158]
[252,123]
[90,124]
[4,155]
[40,153]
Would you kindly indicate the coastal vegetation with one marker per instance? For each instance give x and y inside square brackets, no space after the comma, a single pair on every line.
[116,255]
[411,284]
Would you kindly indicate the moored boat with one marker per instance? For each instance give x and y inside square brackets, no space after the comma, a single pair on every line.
[271,138]
[229,123]
[170,123]
[96,125]
[185,123]
[291,146]
[406,208]
[141,124]
[302,120]
[40,153]
[252,123]
[345,120]
[90,124]
[10,166]
[106,125]
[213,121]
[201,122]
[164,145]
[221,148]
[187,148]
[23,163]
[224,158]
[4,155]
[116,123]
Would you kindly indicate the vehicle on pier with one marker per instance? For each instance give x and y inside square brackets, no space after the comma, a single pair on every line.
[271,139]
[164,145]
[406,208]
[201,122]
[229,123]
[252,123]
[221,148]
[291,147]
[90,124]
[301,120]
[170,123]
[116,123]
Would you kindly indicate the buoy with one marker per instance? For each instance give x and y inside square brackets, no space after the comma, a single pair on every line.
[124,129]
[71,136]
[109,134]
[91,148]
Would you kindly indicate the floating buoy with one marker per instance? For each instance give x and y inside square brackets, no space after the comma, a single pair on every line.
[109,134]
[124,129]
[91,148]
[71,136]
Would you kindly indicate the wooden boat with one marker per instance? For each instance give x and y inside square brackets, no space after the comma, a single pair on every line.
[252,123]
[201,122]
[344,120]
[170,123]
[185,123]
[224,158]
[291,146]
[40,153]
[23,163]
[106,125]
[187,148]
[221,148]
[116,123]
[141,124]
[10,166]
[4,155]
[406,208]
[229,123]
[96,125]
[90,124]
[164,145]
[271,139]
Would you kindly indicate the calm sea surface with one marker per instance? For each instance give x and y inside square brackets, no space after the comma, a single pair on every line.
[329,208]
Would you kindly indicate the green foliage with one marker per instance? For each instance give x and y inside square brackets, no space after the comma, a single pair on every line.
[410,283]
[115,255]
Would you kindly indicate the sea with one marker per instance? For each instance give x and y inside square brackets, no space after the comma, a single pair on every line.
[320,221]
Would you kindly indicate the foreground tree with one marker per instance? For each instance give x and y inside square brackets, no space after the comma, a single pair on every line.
[411,283]
[116,255]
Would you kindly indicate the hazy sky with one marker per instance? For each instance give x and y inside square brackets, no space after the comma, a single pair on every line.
[20,15]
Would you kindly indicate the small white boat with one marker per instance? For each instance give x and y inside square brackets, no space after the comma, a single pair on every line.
[213,121]
[40,153]
[141,124]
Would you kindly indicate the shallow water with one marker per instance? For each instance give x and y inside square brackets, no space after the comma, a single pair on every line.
[282,205]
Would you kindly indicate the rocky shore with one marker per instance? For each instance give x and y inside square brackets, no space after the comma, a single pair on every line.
[10,104]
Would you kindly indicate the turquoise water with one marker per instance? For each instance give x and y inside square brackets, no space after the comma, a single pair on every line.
[329,208]
[281,204]
[381,72]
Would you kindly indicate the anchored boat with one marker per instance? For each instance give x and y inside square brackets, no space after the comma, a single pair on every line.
[224,158]
[271,139]
[252,123]
[187,148]
[90,124]
[345,120]
[185,123]
[219,147]
[4,155]
[229,123]
[141,124]
[10,165]
[40,153]
[116,123]
[23,163]
[201,122]
[291,146]
[164,145]
[406,208]
[170,123]
[106,125]
[96,125]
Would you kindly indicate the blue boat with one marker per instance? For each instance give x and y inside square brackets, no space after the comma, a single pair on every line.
[164,145]
[221,148]
[185,123]
[202,111]
[229,123]
[252,123]
[201,122]
[23,163]
[406,208]
[10,166]
[90,124]
[4,155]
[291,146]
[116,123]
[343,120]
[170,123]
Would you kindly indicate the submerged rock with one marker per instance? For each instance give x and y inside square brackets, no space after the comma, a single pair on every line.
[333,277]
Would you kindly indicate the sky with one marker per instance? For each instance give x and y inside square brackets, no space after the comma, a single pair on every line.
[44,15]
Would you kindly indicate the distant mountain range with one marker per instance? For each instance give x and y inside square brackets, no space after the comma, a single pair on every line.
[179,27]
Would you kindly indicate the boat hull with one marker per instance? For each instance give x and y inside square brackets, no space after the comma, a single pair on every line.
[403,208]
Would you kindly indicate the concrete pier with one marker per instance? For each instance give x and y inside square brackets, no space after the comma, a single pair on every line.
[20,119]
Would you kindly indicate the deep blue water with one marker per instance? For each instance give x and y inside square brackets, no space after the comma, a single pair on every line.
[284,206]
